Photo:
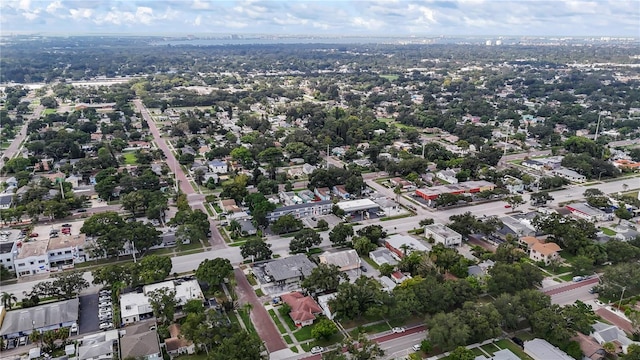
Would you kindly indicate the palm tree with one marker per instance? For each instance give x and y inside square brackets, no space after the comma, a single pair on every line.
[8,299]
[397,191]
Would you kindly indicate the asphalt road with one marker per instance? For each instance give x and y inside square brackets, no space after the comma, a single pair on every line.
[14,147]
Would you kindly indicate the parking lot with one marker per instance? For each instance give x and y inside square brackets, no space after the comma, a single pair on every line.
[45,229]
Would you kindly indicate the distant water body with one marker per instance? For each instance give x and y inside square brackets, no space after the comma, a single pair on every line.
[286,41]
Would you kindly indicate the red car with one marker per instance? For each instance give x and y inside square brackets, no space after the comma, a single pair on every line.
[507,206]
[33,235]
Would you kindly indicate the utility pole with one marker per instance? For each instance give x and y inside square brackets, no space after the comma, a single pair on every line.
[595,138]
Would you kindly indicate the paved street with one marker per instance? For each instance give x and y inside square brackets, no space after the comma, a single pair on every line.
[14,147]
[557,289]
[259,316]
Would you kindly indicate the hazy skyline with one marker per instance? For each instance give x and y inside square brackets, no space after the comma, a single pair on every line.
[390,17]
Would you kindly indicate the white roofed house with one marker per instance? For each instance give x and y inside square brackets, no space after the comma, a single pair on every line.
[443,235]
[344,260]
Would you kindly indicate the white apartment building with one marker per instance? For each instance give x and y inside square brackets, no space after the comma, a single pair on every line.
[32,258]
[443,235]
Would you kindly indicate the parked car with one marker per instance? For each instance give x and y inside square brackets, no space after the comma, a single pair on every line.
[398,330]
[82,210]
[317,349]
[417,347]
[106,326]
[107,317]
[22,341]
[74,328]
[363,268]
[66,225]
[33,235]
[507,206]
[105,311]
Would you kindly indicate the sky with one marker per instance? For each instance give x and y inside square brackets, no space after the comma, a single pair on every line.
[338,17]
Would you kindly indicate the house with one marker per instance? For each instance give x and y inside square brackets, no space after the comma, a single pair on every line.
[540,349]
[604,333]
[140,341]
[322,193]
[295,172]
[345,260]
[398,277]
[569,175]
[589,347]
[176,344]
[383,256]
[515,227]
[8,247]
[528,241]
[289,198]
[97,346]
[533,164]
[6,200]
[447,175]
[544,252]
[247,228]
[306,196]
[443,235]
[404,184]
[404,244]
[12,181]
[187,149]
[135,306]
[323,301]
[480,270]
[341,192]
[504,354]
[303,308]
[387,284]
[288,270]
[218,167]
[308,169]
[229,206]
[513,184]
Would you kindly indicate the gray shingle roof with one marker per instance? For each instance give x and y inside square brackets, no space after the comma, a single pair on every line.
[290,267]
[53,314]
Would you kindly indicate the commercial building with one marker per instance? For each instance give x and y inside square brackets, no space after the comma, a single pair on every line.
[465,187]
[587,212]
[8,248]
[354,206]
[41,318]
[569,175]
[402,245]
[32,258]
[300,211]
[135,306]
[443,235]
[66,250]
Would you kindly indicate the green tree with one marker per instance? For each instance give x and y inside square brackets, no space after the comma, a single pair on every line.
[362,297]
[386,269]
[240,345]
[514,201]
[363,245]
[8,300]
[374,233]
[461,353]
[214,271]
[163,302]
[303,240]
[154,268]
[448,330]
[322,225]
[510,278]
[68,285]
[581,265]
[286,223]
[323,278]
[363,348]
[256,249]
[324,329]
[540,198]
[340,234]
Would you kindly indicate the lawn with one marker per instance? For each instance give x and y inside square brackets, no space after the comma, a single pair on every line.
[370,262]
[490,348]
[508,344]
[608,231]
[477,352]
[281,328]
[567,277]
[390,77]
[49,111]
[304,333]
[373,329]
[246,320]
[288,340]
[287,319]
[129,158]
[259,293]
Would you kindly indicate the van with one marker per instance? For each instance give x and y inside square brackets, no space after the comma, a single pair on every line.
[22,341]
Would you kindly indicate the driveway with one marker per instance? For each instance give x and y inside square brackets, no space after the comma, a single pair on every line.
[88,317]
[259,316]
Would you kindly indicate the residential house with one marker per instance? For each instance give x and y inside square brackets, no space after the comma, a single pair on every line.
[187,149]
[98,346]
[513,184]
[176,344]
[140,341]
[135,306]
[323,194]
[12,182]
[569,175]
[387,284]
[229,206]
[345,260]
[295,172]
[6,200]
[247,228]
[289,198]
[544,252]
[448,176]
[8,248]
[404,244]
[303,308]
[443,235]
[323,301]
[398,277]
[590,347]
[289,270]
[383,256]
[404,184]
[308,169]
[481,269]
[533,164]
[605,333]
[50,316]
[341,192]
[540,349]
[218,167]
[515,227]
[307,196]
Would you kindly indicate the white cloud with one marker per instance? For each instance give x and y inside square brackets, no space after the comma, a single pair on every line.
[54,6]
[199,5]
[370,24]
[81,13]
[198,20]
[24,5]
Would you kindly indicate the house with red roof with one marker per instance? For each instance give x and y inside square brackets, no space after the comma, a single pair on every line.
[303,308]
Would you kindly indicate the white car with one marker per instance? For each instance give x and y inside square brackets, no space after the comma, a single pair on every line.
[317,349]
[107,317]
[74,328]
[105,304]
[106,326]
[105,311]
[417,347]
[398,330]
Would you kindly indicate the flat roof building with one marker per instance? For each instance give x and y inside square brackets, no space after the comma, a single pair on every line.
[443,235]
[540,349]
[397,244]
[135,306]
[465,187]
[351,206]
[587,212]
[300,211]
[32,258]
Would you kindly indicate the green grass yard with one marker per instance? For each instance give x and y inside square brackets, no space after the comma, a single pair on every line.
[508,344]
[129,158]
[49,111]
[281,328]
[390,77]
[608,231]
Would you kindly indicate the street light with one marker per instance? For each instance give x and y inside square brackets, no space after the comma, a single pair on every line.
[621,295]
[600,175]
